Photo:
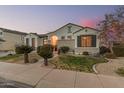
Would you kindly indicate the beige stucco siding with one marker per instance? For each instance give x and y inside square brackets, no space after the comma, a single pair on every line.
[69,43]
[64,32]
[40,41]
[11,40]
[87,31]
[90,50]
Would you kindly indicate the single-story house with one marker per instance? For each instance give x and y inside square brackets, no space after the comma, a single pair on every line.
[77,38]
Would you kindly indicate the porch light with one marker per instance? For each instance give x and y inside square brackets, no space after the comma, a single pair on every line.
[54,40]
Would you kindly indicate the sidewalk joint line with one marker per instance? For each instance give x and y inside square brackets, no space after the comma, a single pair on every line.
[43,77]
[75,79]
[100,80]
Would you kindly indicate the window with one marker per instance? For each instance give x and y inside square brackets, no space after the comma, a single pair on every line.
[45,41]
[69,29]
[22,38]
[69,37]
[1,33]
[27,41]
[62,37]
[86,41]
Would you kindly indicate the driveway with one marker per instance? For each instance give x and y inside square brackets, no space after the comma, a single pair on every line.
[42,77]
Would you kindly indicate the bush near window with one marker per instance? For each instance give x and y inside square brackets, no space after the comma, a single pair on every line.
[85,53]
[104,50]
[119,50]
[64,49]
[110,55]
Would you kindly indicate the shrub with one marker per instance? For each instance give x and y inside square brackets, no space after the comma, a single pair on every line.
[64,49]
[110,55]
[23,49]
[119,51]
[120,71]
[45,51]
[104,50]
[85,53]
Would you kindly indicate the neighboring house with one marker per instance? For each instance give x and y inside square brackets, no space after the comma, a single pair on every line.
[77,38]
[11,38]
[34,40]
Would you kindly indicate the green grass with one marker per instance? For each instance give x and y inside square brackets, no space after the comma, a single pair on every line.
[120,71]
[9,57]
[76,63]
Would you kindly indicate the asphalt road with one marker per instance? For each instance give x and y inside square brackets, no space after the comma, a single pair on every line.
[4,83]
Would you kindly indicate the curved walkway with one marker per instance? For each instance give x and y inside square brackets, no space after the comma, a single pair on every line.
[110,67]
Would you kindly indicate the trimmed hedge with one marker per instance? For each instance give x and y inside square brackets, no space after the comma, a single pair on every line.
[110,55]
[119,51]
[104,50]
[85,53]
[64,49]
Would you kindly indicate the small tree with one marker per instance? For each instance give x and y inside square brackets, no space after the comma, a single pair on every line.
[64,49]
[112,28]
[45,51]
[23,49]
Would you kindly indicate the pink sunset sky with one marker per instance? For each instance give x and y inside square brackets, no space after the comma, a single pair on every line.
[42,19]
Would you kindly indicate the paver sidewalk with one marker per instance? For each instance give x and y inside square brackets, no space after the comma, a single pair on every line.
[42,77]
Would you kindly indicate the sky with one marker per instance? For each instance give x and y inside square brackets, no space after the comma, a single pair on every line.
[42,18]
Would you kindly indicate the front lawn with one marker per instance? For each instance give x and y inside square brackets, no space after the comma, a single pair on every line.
[19,58]
[9,57]
[76,63]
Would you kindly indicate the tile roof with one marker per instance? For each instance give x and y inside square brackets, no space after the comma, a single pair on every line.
[13,31]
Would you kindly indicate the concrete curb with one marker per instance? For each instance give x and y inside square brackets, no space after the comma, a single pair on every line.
[94,66]
[94,69]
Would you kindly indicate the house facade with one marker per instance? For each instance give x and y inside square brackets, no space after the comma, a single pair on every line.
[79,39]
[34,40]
[10,39]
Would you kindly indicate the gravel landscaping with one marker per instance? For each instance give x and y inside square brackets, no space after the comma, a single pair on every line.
[76,63]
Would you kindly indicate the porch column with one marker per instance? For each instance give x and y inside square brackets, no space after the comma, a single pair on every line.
[30,41]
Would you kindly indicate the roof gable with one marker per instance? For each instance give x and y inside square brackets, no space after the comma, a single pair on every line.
[12,31]
[85,28]
[81,27]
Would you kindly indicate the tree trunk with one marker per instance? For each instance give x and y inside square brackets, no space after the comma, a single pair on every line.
[46,62]
[26,60]
[111,47]
[111,50]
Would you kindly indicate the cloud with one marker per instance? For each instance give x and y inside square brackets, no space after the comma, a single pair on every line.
[88,23]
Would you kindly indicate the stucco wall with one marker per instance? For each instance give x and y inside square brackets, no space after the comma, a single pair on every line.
[11,40]
[91,50]
[64,32]
[40,41]
[69,43]
[87,31]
